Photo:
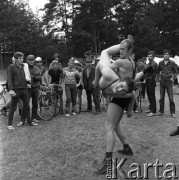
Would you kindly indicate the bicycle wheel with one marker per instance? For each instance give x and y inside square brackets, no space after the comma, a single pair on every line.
[46,109]
[56,102]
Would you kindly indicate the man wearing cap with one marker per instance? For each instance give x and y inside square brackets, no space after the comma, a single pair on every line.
[88,78]
[35,86]
[38,63]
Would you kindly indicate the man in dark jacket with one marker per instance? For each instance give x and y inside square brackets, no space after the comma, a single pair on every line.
[88,78]
[36,77]
[17,85]
[167,73]
[151,84]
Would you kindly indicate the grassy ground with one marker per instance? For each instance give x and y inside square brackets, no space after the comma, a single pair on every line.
[73,148]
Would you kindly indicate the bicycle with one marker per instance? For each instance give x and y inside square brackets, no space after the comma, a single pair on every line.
[3,92]
[5,101]
[3,97]
[48,103]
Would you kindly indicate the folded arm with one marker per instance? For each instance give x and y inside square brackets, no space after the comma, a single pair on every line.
[107,53]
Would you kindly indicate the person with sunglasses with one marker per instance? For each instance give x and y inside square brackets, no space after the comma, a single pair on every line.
[38,62]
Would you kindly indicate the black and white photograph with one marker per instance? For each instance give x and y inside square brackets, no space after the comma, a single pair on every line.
[89,89]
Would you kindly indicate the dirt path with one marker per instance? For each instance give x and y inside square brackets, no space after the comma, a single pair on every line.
[73,148]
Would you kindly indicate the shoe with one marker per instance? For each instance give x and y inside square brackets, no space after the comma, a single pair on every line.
[67,115]
[126,151]
[33,124]
[88,110]
[151,114]
[38,117]
[173,115]
[148,111]
[174,133]
[97,112]
[160,114]
[74,113]
[3,112]
[10,127]
[20,124]
[35,121]
[106,162]
[61,112]
[136,111]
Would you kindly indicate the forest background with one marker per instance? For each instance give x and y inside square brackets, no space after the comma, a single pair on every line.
[73,27]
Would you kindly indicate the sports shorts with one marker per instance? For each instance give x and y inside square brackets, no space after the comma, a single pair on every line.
[121,102]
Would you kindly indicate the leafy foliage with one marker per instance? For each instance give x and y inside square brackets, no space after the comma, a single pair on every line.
[72,27]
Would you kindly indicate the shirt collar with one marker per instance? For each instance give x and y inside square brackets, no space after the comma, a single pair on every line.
[167,61]
[18,66]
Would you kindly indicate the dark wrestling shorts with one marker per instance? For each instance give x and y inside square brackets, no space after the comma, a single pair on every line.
[121,102]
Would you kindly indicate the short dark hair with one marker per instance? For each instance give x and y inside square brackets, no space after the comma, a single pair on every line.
[18,54]
[152,53]
[166,51]
[29,57]
[130,83]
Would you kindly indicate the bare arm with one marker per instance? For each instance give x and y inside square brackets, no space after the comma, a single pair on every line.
[133,99]
[80,80]
[139,76]
[118,63]
[131,105]
[107,53]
